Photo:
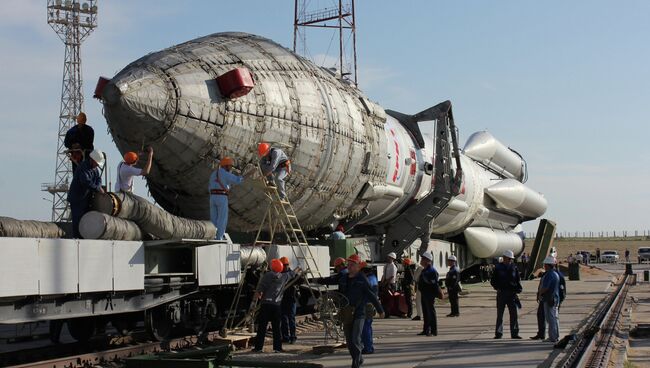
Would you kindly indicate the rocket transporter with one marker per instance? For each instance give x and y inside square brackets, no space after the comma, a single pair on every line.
[353,162]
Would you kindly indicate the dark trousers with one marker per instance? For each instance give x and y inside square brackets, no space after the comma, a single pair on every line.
[429,314]
[289,321]
[541,320]
[77,210]
[268,313]
[453,300]
[506,299]
[353,332]
[408,297]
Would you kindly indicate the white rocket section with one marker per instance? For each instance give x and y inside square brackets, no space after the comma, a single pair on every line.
[484,148]
[512,195]
[487,243]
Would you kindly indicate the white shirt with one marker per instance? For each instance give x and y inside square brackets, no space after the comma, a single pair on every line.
[390,271]
[125,174]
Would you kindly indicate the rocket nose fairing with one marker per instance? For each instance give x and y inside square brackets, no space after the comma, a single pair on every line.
[350,158]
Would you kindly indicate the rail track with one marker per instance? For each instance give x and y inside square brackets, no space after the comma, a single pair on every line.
[594,345]
[89,355]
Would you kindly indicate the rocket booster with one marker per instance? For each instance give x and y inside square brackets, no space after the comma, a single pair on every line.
[350,158]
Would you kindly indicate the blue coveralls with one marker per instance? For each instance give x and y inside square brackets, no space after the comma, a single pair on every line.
[505,281]
[551,281]
[219,186]
[85,181]
[428,286]
[357,290]
[366,336]
[288,308]
[276,162]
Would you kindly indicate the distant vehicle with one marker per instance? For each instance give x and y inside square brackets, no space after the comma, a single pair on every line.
[609,256]
[644,254]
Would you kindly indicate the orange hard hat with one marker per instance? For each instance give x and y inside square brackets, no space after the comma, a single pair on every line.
[130,158]
[354,258]
[406,261]
[263,149]
[226,161]
[284,260]
[339,261]
[276,265]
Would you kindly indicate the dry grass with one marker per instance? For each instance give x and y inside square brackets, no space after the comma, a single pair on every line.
[567,246]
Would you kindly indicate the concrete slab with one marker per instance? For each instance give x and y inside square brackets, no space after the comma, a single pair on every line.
[638,352]
[464,341]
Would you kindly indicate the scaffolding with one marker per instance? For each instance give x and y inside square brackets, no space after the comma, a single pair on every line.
[341,18]
[73,21]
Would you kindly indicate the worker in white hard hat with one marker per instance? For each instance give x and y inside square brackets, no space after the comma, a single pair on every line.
[452,283]
[506,282]
[86,181]
[387,283]
[549,294]
[428,286]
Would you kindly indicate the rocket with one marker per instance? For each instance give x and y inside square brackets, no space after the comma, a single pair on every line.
[352,161]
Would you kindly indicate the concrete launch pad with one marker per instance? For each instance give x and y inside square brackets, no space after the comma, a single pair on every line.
[466,341]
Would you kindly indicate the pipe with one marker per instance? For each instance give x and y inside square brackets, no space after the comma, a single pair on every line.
[152,219]
[97,225]
[10,227]
[251,256]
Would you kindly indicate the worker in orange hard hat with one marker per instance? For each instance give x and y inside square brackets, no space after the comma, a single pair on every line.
[288,306]
[270,293]
[359,293]
[126,170]
[275,165]
[338,233]
[221,180]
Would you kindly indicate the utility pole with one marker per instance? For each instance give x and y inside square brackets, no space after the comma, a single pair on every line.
[73,21]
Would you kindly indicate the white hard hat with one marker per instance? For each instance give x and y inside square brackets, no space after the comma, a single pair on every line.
[427,255]
[452,258]
[392,255]
[550,260]
[508,253]
[97,156]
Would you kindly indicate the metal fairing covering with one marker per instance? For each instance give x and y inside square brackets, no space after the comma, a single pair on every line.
[169,99]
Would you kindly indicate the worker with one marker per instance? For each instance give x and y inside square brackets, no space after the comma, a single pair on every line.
[269,292]
[418,294]
[452,283]
[549,293]
[221,180]
[340,273]
[275,165]
[126,170]
[79,140]
[428,286]
[338,234]
[505,280]
[357,290]
[366,336]
[288,306]
[408,285]
[388,281]
[86,181]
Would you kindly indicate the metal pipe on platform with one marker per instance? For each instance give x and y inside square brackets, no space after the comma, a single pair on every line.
[10,227]
[97,225]
[152,219]
[251,256]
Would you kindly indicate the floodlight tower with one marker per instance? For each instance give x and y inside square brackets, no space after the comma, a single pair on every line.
[341,19]
[73,21]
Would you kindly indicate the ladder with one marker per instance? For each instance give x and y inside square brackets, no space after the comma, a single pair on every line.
[281,218]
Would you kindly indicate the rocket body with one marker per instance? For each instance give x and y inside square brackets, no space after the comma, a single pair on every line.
[350,159]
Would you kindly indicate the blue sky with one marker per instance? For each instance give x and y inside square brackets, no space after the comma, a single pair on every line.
[567,84]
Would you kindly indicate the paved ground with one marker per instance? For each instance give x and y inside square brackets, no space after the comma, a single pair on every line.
[466,341]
